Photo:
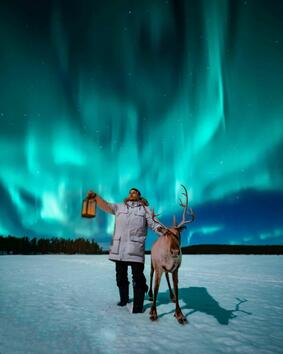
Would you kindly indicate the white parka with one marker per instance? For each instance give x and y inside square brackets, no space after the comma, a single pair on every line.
[131,223]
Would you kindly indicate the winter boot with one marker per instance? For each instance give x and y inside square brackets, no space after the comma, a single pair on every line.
[124,295]
[138,300]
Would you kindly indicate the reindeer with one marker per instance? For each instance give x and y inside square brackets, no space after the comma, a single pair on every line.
[166,257]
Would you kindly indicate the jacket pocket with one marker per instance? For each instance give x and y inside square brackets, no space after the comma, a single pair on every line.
[115,245]
[135,246]
[139,218]
[139,213]
[122,210]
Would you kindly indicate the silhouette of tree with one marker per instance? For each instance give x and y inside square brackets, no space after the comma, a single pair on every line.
[54,245]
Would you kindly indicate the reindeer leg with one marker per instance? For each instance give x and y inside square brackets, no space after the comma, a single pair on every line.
[178,313]
[172,297]
[153,312]
[150,286]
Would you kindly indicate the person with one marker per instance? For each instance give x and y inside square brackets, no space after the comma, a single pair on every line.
[132,218]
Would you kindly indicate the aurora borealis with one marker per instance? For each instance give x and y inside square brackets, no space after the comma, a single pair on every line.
[148,94]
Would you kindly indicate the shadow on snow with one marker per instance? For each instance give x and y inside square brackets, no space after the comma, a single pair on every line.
[199,299]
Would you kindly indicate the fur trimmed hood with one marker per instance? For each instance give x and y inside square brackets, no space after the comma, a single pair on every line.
[141,200]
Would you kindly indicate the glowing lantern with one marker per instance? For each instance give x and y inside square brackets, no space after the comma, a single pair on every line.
[89,206]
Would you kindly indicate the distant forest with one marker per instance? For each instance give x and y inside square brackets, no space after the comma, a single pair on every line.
[232,249]
[25,245]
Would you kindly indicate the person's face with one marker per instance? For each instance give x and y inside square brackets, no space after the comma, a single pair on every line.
[133,195]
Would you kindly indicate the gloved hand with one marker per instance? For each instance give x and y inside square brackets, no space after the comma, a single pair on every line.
[91,194]
[161,229]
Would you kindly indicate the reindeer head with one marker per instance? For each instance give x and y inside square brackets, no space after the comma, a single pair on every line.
[175,230]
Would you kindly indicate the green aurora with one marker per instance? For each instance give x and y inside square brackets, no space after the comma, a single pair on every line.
[148,94]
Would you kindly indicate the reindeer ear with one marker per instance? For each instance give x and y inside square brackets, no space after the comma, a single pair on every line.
[181,228]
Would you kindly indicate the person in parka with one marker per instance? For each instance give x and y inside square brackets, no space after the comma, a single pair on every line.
[132,218]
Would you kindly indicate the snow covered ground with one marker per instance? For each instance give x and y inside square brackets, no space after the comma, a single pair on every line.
[67,304]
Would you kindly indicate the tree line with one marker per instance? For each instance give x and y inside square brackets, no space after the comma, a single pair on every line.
[54,245]
[232,249]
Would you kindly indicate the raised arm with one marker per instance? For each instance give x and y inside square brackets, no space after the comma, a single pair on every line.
[102,204]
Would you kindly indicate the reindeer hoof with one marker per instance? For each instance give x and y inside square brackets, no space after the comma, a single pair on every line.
[153,314]
[153,317]
[181,319]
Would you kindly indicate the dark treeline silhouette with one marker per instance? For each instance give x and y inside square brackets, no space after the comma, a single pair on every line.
[232,249]
[25,245]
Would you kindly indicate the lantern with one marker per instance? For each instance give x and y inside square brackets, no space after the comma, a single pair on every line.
[89,208]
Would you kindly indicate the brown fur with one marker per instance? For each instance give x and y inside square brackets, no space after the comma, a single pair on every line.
[142,200]
[166,257]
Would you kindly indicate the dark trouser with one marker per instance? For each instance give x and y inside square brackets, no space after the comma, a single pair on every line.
[139,281]
[139,284]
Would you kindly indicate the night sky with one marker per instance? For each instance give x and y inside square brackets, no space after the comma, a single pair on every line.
[110,95]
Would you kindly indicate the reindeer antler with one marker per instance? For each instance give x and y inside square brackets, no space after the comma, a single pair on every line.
[185,206]
[158,222]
